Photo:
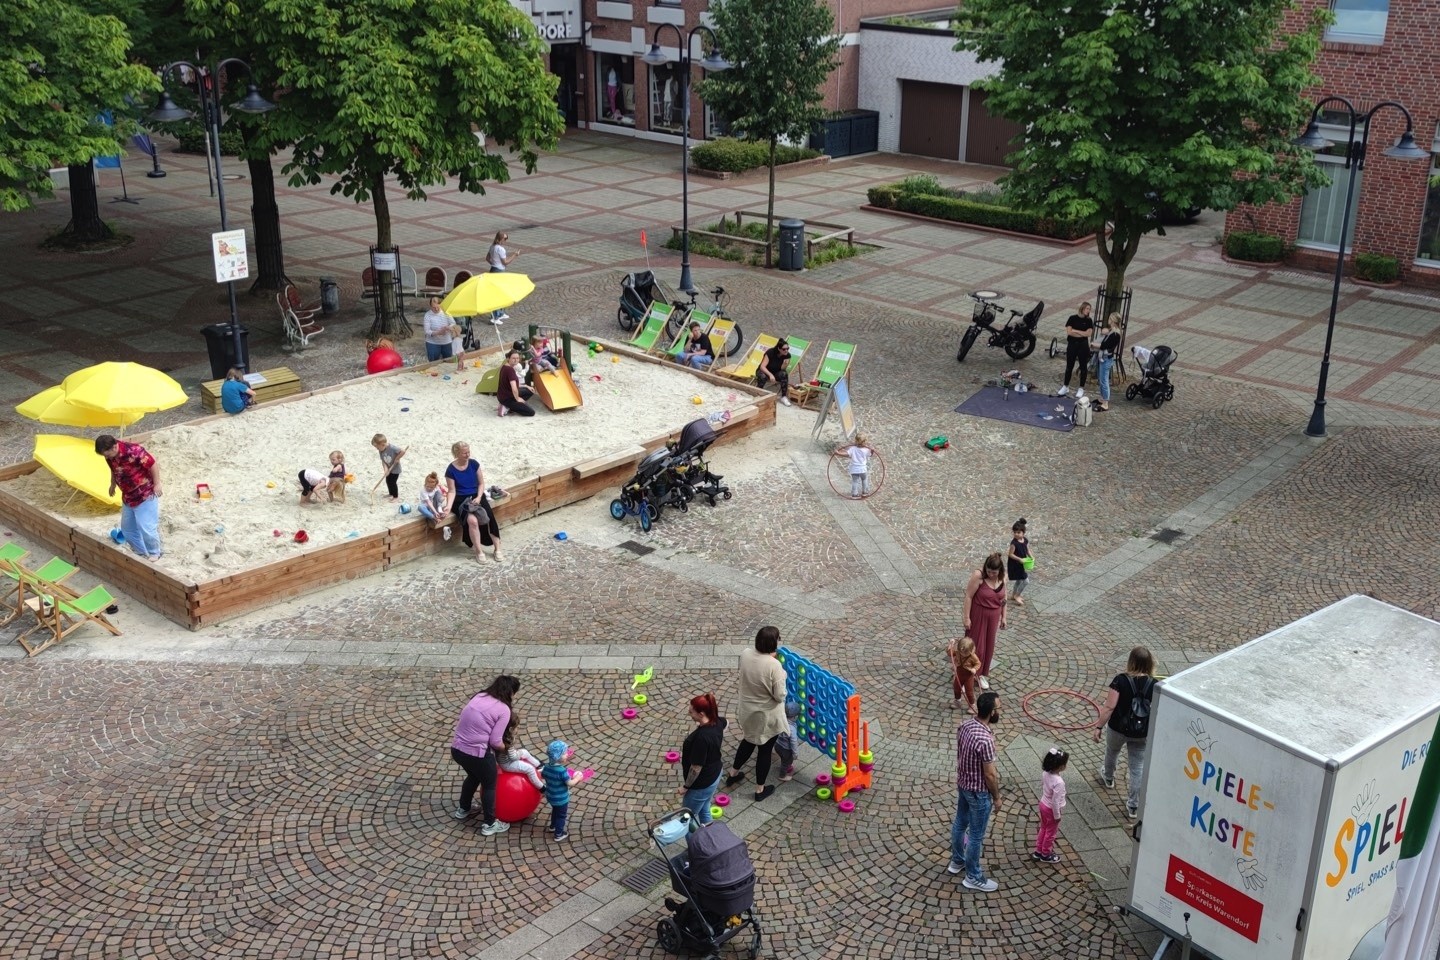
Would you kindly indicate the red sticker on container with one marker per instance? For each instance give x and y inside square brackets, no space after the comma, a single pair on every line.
[1215,898]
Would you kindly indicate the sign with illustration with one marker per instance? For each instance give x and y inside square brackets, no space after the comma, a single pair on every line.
[232,261]
[1228,819]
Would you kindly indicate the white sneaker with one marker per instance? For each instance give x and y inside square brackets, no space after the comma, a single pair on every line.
[984,884]
[1063,390]
[446,534]
[490,829]
[786,401]
[984,683]
[1080,394]
[496,322]
[954,868]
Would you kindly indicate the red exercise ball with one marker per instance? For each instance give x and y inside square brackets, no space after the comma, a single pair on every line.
[516,798]
[383,359]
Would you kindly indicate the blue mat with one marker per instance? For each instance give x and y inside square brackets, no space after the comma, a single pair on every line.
[1030,408]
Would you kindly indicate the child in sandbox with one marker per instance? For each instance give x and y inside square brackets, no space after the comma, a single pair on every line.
[235,393]
[311,483]
[339,477]
[542,358]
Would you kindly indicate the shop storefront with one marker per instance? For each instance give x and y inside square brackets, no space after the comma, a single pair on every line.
[559,24]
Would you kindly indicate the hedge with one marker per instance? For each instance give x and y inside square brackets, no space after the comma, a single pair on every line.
[1376,268]
[962,210]
[1254,247]
[191,137]
[728,155]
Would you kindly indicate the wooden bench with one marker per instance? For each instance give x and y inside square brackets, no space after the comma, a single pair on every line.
[279,382]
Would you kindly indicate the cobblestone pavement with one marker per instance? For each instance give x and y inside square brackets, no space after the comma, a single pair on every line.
[278,785]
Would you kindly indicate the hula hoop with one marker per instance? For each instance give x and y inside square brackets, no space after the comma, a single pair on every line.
[1025,708]
[877,474]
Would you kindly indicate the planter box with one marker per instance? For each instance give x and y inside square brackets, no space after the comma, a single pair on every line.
[779,168]
[855,131]
[975,226]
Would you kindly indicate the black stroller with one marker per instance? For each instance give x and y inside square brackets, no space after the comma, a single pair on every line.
[637,498]
[637,291]
[687,474]
[1154,384]
[717,880]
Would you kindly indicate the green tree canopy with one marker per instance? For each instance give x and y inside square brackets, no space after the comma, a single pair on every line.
[782,52]
[60,66]
[1124,101]
[371,90]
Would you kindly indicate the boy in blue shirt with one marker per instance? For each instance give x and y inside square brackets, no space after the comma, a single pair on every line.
[235,393]
[558,781]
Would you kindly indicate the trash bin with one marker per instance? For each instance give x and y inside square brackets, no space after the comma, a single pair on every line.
[329,296]
[792,244]
[221,346]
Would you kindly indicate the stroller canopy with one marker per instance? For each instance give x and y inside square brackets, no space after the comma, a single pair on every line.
[718,858]
[697,435]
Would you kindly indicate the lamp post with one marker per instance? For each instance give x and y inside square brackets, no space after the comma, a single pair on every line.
[1405,148]
[713,62]
[252,103]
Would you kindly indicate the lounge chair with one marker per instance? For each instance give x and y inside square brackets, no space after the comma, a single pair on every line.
[655,321]
[720,331]
[746,369]
[683,337]
[24,582]
[834,366]
[59,613]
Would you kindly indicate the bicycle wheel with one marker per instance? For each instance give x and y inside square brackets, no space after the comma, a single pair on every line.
[1021,347]
[678,318]
[736,341]
[966,342]
[617,508]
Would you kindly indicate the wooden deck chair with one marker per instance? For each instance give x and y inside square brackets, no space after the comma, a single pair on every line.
[24,583]
[796,367]
[12,553]
[302,310]
[720,332]
[746,369]
[696,316]
[436,282]
[655,321]
[834,364]
[409,282]
[59,613]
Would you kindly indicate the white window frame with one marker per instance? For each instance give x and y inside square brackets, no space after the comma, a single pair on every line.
[1434,177]
[1334,158]
[1337,32]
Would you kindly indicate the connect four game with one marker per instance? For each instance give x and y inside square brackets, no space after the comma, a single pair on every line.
[829,720]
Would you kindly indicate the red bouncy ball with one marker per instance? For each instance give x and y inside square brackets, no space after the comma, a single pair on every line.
[383,359]
[516,798]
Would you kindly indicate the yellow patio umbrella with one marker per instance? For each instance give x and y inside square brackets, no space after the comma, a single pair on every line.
[50,406]
[73,460]
[487,292]
[123,388]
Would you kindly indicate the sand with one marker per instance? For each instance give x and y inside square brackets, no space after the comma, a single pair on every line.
[251,461]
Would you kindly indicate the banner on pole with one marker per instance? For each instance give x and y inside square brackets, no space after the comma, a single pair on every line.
[232,261]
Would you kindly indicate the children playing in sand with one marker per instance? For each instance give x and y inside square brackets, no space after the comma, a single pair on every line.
[432,499]
[389,462]
[338,477]
[311,482]
[235,393]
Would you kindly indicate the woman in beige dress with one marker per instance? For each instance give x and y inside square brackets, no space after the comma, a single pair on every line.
[760,709]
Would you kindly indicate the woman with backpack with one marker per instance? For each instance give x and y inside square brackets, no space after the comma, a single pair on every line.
[1125,722]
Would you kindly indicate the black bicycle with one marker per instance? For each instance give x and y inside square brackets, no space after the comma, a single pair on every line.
[1016,337]
[680,318]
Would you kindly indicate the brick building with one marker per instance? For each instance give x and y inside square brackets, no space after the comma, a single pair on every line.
[896,58]
[1376,50]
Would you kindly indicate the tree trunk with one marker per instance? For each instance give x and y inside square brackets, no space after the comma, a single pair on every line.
[770,210]
[1117,250]
[390,318]
[85,225]
[265,215]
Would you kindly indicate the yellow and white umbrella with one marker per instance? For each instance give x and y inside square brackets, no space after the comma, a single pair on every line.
[73,460]
[51,406]
[117,387]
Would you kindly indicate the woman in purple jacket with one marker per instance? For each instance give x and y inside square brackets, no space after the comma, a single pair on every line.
[478,734]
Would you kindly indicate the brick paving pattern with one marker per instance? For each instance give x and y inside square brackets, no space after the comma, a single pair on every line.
[278,786]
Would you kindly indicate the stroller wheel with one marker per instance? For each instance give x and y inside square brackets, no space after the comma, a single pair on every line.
[1170,391]
[1132,391]
[727,493]
[667,931]
[622,317]
[1054,347]
[1159,399]
[617,508]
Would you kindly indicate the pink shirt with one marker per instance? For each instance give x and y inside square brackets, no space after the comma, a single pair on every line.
[1052,792]
[481,725]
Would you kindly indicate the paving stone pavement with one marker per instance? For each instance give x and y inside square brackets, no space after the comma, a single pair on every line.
[277,786]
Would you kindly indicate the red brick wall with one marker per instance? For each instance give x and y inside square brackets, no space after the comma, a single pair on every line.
[1390,197]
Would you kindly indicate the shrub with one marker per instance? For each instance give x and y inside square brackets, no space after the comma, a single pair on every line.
[987,215]
[728,155]
[883,197]
[1376,268]
[920,184]
[1254,247]
[191,134]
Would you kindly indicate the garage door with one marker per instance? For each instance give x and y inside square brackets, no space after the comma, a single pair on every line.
[988,138]
[930,119]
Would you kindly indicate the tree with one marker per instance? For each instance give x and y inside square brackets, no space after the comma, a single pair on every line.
[1133,106]
[782,52]
[375,91]
[60,67]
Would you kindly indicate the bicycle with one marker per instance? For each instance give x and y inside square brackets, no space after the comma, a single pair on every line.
[680,318]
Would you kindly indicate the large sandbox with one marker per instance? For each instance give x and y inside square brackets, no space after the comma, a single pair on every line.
[227,546]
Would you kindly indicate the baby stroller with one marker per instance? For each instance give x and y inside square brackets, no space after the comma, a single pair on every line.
[637,291]
[1154,384]
[637,494]
[687,473]
[717,880]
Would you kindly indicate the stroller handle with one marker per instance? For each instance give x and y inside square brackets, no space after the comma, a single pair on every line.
[683,815]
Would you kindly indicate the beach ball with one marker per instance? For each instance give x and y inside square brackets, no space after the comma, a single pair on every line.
[516,798]
[383,359]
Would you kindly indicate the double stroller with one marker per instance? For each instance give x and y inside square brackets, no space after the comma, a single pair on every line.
[672,477]
[1154,384]
[637,291]
[717,880]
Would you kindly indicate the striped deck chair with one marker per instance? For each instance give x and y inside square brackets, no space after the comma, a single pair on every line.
[834,365]
[696,316]
[720,331]
[59,613]
[655,321]
[25,582]
[745,369]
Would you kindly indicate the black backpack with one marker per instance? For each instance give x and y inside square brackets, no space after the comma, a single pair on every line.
[1136,723]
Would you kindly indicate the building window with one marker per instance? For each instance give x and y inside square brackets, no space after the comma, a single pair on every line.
[667,112]
[1321,208]
[1359,21]
[1430,226]
[615,89]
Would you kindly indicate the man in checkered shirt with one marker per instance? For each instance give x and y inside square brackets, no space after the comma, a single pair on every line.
[978,785]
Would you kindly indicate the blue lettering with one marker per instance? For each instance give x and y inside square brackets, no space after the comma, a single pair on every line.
[1198,812]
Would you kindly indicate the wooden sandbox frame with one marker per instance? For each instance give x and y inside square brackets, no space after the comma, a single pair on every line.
[205,603]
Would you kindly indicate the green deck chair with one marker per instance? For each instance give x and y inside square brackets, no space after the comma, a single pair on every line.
[59,615]
[56,570]
[834,365]
[655,321]
[696,316]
